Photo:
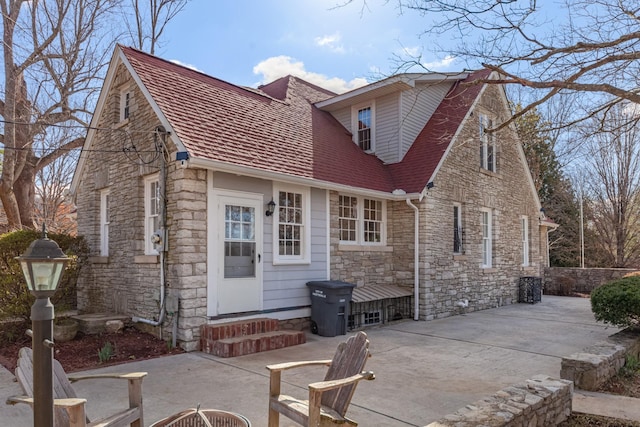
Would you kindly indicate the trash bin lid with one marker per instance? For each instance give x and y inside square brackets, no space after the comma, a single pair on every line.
[332,284]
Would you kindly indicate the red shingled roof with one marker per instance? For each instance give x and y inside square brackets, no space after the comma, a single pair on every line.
[422,159]
[278,129]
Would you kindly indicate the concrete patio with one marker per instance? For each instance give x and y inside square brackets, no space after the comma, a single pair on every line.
[424,370]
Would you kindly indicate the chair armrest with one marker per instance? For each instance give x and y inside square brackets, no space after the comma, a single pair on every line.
[128,376]
[63,403]
[289,365]
[13,400]
[323,386]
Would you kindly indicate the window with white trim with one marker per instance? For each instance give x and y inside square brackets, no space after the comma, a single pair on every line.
[348,218]
[152,200]
[487,240]
[292,225]
[524,222]
[361,220]
[364,126]
[458,231]
[104,222]
[487,143]
[125,104]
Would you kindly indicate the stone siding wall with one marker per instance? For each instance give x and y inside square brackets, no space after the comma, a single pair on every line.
[539,402]
[369,264]
[128,281]
[447,278]
[567,280]
[595,365]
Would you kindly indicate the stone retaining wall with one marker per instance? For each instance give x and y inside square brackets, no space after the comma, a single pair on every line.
[567,280]
[539,402]
[596,364]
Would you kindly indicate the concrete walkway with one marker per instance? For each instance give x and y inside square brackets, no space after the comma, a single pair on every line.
[424,370]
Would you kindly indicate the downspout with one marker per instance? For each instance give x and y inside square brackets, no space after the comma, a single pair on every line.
[416,259]
[162,189]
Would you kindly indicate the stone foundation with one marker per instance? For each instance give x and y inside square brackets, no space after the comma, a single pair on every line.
[540,402]
[596,364]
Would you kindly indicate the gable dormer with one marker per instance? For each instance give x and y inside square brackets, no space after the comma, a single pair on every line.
[385,117]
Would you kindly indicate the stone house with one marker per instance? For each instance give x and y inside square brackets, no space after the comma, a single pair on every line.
[205,202]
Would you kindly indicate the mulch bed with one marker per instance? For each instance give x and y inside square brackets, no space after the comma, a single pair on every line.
[81,353]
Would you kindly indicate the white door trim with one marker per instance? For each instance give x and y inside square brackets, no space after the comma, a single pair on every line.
[215,247]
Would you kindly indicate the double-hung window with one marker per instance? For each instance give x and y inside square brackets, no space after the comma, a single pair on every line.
[457,229]
[361,220]
[524,221]
[125,104]
[363,126]
[152,200]
[292,226]
[487,240]
[104,222]
[487,143]
[348,218]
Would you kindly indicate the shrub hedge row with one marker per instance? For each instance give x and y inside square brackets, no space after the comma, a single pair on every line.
[15,299]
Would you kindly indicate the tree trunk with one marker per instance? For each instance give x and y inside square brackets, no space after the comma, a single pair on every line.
[25,195]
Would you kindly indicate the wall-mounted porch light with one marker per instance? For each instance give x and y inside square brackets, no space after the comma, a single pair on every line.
[271,207]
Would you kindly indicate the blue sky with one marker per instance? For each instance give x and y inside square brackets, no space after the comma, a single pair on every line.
[250,42]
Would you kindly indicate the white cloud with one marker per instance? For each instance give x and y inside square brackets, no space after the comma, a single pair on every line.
[331,42]
[413,52]
[193,67]
[439,65]
[279,66]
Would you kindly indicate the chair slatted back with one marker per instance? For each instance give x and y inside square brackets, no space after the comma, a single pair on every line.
[61,386]
[350,358]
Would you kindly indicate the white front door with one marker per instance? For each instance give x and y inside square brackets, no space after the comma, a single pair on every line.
[237,253]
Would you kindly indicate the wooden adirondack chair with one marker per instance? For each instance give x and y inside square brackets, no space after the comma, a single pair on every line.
[329,399]
[69,409]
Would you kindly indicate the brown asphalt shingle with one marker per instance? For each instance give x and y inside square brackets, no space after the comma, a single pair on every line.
[276,128]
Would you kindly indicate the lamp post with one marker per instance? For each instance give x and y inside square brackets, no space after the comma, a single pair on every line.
[42,266]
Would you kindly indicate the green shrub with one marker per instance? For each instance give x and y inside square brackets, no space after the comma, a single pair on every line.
[15,299]
[631,366]
[618,302]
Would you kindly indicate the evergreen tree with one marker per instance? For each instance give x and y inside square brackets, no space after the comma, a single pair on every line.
[554,189]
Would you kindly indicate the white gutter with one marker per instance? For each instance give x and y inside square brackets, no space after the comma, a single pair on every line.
[416,259]
[218,166]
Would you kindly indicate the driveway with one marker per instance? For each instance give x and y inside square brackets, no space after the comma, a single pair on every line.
[424,370]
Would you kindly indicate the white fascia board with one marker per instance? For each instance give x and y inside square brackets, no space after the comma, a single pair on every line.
[224,167]
[523,157]
[154,106]
[106,86]
[406,80]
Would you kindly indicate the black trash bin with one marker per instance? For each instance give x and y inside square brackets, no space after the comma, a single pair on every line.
[330,301]
[530,289]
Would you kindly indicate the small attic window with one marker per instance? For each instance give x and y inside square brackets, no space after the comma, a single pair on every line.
[363,126]
[125,104]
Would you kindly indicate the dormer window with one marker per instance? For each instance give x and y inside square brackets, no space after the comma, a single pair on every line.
[363,127]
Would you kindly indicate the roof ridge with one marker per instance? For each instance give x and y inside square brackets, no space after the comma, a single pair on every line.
[193,70]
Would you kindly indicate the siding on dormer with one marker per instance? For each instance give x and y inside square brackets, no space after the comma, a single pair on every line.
[399,118]
[417,106]
[387,128]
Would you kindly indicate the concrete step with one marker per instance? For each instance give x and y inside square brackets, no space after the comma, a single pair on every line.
[246,337]
[95,323]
